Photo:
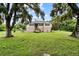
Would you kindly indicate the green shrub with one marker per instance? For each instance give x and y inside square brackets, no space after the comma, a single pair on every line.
[67,25]
[2,27]
[20,27]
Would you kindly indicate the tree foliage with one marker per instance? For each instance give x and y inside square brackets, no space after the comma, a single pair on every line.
[68,11]
[13,12]
[66,25]
[62,10]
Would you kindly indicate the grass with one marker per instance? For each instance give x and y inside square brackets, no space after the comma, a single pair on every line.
[57,43]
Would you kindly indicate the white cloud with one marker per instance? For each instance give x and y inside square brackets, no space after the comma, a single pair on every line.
[34,15]
[41,6]
[46,15]
[30,11]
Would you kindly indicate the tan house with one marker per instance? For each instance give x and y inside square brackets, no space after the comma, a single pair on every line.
[39,26]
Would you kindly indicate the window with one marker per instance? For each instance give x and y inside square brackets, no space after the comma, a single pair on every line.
[41,24]
[47,24]
[31,24]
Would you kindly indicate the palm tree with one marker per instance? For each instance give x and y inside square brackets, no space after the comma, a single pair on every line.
[17,10]
[75,10]
[72,10]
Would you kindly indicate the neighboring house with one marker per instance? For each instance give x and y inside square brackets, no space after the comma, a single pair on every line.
[39,26]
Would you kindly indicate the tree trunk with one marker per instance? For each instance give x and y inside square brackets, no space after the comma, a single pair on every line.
[8,18]
[8,29]
[8,33]
[76,31]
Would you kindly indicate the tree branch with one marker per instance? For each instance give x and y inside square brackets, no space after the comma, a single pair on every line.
[14,21]
[74,8]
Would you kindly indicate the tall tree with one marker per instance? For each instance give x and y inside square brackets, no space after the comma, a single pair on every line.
[12,13]
[68,10]
[75,10]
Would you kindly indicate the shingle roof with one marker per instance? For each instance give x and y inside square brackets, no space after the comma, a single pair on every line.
[40,22]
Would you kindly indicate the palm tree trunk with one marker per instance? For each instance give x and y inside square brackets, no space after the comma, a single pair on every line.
[76,31]
[8,29]
[8,33]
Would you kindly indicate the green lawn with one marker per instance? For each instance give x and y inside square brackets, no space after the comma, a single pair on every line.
[25,44]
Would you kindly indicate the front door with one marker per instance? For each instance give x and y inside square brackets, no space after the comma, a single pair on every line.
[36,26]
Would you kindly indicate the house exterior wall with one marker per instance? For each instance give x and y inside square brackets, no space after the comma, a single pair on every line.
[43,28]
[30,28]
[47,28]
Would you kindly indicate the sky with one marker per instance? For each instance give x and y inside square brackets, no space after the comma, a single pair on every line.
[46,7]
